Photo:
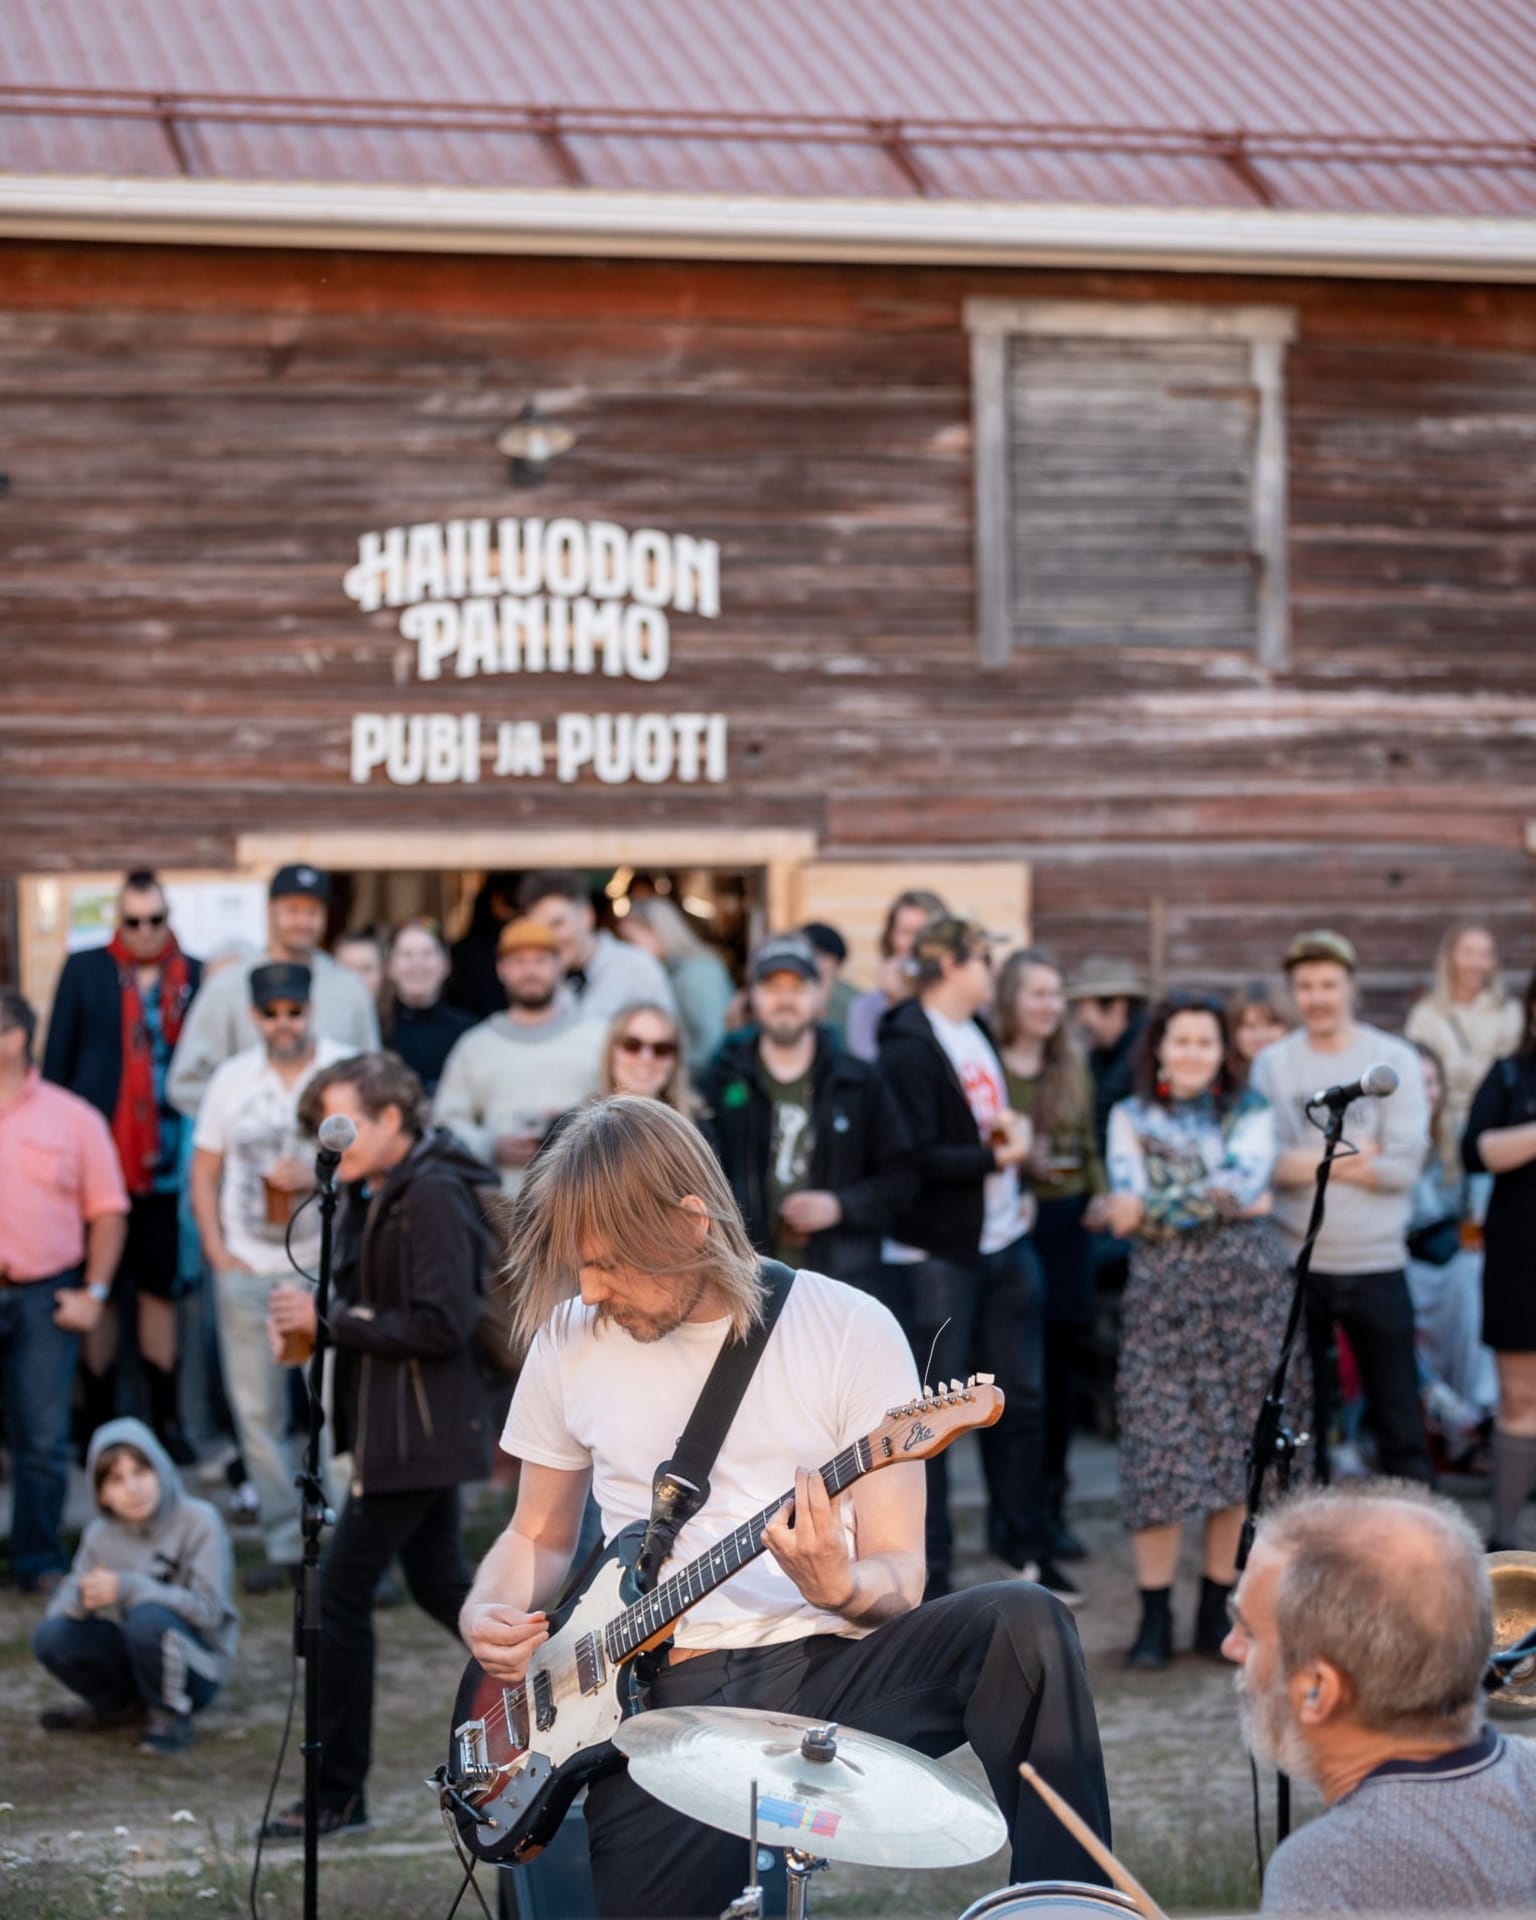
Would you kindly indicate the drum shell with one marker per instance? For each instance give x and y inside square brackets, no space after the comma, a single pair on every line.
[1048,1900]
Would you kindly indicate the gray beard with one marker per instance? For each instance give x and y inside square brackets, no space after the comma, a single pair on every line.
[1269,1733]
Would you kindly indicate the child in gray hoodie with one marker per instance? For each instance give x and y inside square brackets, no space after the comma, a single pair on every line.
[145,1621]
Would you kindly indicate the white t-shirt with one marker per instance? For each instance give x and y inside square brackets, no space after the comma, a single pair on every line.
[251,1119]
[981,1075]
[835,1365]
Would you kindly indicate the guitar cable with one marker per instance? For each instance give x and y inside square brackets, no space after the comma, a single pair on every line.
[277,1774]
[293,1666]
[466,1860]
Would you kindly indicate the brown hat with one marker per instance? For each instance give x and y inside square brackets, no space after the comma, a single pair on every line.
[518,934]
[1101,979]
[1320,944]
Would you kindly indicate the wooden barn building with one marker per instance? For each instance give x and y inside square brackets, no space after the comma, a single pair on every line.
[1081,458]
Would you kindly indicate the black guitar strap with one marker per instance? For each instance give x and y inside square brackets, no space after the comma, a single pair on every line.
[681,1485]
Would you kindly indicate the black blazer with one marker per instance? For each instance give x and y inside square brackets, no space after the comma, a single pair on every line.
[84,1049]
[945,1207]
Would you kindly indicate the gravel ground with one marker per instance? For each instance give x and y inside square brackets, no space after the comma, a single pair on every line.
[88,1828]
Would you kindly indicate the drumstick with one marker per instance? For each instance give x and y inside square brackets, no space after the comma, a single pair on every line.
[1086,1838]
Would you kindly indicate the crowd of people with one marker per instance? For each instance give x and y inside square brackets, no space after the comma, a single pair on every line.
[983,1147]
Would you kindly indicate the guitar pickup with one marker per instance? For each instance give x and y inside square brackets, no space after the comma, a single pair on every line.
[591,1670]
[543,1701]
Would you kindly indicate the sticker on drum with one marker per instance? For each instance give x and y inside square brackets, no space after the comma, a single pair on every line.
[1045,1899]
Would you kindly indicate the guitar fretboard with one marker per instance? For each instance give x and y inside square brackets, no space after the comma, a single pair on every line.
[684,1589]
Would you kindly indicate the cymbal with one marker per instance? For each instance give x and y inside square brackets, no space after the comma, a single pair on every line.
[871,1801]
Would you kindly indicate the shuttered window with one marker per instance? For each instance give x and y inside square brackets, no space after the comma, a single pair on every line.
[1130,477]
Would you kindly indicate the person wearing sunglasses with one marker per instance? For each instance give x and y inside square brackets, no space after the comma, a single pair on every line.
[645,1055]
[252,1169]
[117,1015]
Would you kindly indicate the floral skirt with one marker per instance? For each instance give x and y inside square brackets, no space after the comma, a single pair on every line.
[1200,1332]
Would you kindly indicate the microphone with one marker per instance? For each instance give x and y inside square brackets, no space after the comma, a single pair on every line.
[1374,1084]
[336,1135]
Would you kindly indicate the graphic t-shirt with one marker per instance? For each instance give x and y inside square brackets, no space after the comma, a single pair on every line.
[836,1364]
[986,1088]
[790,1140]
[250,1118]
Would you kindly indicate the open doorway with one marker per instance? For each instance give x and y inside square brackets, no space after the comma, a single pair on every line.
[726,907]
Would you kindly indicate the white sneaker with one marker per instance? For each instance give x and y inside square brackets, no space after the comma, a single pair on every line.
[1054,1581]
[244,1505]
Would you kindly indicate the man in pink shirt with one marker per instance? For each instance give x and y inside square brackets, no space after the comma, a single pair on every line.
[63,1217]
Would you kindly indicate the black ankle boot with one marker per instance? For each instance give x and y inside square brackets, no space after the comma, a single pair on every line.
[164,1416]
[1065,1544]
[98,1405]
[1154,1643]
[1211,1623]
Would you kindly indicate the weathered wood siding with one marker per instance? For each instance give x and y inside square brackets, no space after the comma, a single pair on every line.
[195,439]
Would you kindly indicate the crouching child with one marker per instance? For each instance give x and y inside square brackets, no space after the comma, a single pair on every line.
[144,1623]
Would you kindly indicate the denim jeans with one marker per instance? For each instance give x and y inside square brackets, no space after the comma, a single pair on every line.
[37,1367]
[154,1657]
[258,1390]
[995,1311]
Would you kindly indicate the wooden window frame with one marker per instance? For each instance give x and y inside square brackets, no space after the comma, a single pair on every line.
[991,325]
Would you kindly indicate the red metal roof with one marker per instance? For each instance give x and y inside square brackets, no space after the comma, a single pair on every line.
[1393,106]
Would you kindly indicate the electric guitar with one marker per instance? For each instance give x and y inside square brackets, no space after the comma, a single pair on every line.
[520,1752]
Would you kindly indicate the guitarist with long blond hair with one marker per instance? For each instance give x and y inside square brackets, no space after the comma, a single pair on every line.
[633,1270]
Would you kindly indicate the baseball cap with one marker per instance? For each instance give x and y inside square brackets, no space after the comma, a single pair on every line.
[279,980]
[300,879]
[1322,943]
[785,953]
[517,935]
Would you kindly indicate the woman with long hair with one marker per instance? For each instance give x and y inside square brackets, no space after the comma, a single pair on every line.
[1501,1139]
[1467,1016]
[1048,1082]
[1190,1163]
[700,978]
[645,1054]
[415,1020]
[1457,1379]
[1258,1014]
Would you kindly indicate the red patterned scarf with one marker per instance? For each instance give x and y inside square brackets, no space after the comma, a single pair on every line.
[136,1122]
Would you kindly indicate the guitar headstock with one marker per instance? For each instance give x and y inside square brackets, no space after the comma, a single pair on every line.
[928,1424]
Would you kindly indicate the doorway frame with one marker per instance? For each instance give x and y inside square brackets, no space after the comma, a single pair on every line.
[778,852]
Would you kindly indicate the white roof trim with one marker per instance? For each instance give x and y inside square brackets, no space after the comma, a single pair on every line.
[750,227]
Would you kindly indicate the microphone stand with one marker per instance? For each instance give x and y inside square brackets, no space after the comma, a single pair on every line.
[314,1514]
[1273,1445]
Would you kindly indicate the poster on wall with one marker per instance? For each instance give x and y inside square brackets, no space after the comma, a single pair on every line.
[207,916]
[213,917]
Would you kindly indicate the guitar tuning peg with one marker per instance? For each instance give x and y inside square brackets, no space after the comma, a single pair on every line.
[927,1393]
[984,1379]
[955,1387]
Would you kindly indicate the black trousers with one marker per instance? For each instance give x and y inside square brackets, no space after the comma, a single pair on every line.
[423,1528]
[1376,1311]
[988,1318]
[999,1666]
